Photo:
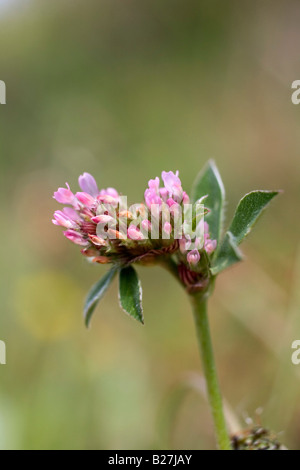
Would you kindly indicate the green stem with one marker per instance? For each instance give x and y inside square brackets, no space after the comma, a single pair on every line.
[213,390]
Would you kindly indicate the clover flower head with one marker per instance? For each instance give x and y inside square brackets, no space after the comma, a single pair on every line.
[167,227]
[150,231]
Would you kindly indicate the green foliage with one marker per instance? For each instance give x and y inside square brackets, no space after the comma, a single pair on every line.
[248,211]
[228,255]
[208,188]
[209,183]
[96,294]
[130,293]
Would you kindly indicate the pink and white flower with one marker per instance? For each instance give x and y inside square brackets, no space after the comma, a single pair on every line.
[99,221]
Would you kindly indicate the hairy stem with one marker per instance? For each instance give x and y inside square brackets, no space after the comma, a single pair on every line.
[209,367]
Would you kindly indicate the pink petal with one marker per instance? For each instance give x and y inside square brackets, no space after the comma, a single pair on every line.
[65,196]
[88,184]
[60,218]
[185,198]
[171,181]
[102,219]
[86,199]
[75,237]
[152,198]
[134,234]
[171,202]
[154,184]
[107,199]
[164,193]
[109,192]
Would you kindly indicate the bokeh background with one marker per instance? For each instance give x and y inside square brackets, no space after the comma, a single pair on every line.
[125,89]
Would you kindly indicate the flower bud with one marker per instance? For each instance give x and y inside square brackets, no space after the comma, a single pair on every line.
[193,257]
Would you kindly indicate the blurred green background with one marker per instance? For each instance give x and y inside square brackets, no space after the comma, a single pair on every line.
[125,89]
